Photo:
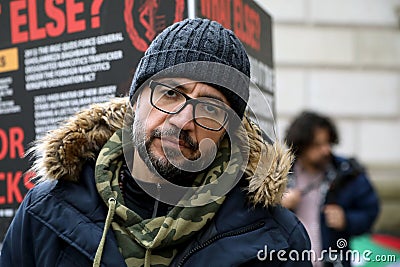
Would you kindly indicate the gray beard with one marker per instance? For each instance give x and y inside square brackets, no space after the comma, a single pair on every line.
[165,168]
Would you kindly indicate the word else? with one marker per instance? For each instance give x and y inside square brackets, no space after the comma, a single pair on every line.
[62,16]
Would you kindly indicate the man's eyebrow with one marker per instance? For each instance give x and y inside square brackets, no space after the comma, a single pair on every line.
[182,87]
[176,85]
[214,97]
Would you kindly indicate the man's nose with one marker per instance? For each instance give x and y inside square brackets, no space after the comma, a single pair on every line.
[183,119]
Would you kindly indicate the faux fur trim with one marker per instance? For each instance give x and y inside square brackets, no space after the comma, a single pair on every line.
[62,152]
[60,155]
[267,169]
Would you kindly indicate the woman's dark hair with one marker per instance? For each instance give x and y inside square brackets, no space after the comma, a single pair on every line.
[300,133]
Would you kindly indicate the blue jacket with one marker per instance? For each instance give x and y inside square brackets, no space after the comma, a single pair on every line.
[358,199]
[61,220]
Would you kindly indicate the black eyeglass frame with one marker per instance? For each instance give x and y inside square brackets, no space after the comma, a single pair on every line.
[189,100]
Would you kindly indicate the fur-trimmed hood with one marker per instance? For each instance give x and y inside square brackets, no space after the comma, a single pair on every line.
[61,154]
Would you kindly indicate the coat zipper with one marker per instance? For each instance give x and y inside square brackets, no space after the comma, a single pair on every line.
[244,230]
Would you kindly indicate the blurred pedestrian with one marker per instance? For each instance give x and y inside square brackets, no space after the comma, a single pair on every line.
[331,195]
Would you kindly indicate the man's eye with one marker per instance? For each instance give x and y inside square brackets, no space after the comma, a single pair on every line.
[210,109]
[169,93]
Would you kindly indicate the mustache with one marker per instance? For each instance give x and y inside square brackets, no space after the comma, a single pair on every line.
[176,133]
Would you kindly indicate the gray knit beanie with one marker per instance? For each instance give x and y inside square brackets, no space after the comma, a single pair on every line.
[199,40]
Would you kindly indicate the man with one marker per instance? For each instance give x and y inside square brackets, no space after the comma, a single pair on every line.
[141,190]
[331,195]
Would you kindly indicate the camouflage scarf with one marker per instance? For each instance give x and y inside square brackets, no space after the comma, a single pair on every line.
[154,241]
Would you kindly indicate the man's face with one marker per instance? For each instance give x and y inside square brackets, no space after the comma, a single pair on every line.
[319,152]
[171,142]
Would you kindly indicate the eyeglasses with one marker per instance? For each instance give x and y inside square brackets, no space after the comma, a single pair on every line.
[207,113]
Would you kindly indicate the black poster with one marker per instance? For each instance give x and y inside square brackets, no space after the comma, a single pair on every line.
[57,57]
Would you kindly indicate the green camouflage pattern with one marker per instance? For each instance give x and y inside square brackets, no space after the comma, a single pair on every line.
[155,241]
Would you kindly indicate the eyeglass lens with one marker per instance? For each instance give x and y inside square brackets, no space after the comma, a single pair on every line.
[207,112]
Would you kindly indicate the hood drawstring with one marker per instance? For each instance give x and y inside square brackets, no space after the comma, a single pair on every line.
[110,215]
[155,208]
[147,258]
